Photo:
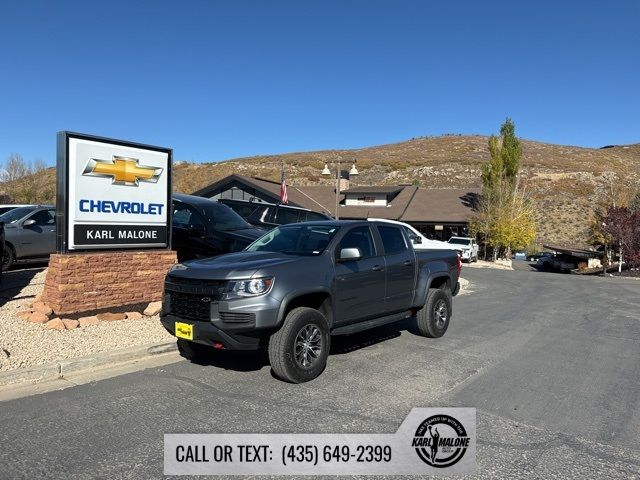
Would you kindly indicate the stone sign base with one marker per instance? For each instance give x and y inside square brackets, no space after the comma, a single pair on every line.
[84,282]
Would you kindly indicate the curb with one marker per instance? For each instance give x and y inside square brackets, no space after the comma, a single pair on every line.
[59,369]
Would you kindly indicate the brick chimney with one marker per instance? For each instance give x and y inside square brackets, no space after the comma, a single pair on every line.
[344,180]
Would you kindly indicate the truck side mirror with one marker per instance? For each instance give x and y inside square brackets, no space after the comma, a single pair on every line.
[417,240]
[349,254]
[29,223]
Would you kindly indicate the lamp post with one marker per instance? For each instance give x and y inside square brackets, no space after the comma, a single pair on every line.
[327,172]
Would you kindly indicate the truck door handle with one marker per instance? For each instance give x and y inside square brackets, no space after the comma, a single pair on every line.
[407,263]
[377,268]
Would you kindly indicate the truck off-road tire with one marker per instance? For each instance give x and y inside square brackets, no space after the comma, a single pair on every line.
[433,318]
[193,351]
[298,351]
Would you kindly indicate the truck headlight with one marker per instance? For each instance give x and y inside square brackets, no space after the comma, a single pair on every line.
[250,287]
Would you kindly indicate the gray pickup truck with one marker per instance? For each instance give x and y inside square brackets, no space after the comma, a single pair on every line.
[299,284]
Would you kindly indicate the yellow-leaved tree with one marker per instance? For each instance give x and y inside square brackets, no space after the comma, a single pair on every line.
[504,219]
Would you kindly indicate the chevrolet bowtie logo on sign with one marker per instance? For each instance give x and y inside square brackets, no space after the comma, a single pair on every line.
[122,171]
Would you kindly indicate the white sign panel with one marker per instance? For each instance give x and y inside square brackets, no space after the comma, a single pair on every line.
[117,194]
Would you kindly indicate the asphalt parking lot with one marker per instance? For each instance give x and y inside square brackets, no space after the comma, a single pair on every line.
[551,362]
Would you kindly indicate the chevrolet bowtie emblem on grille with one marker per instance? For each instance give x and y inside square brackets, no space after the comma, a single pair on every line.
[122,170]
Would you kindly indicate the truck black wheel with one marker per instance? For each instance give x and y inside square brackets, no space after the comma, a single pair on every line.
[298,351]
[193,351]
[433,318]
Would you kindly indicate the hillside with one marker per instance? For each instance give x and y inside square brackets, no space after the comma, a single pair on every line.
[566,182]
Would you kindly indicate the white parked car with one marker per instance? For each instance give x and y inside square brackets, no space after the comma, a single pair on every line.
[420,242]
[469,248]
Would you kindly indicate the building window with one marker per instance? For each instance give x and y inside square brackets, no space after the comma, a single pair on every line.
[367,199]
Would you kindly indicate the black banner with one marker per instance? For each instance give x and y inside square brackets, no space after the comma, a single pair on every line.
[88,234]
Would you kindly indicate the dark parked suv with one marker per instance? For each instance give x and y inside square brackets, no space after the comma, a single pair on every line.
[270,215]
[205,228]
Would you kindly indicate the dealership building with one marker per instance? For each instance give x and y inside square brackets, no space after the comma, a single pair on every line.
[437,213]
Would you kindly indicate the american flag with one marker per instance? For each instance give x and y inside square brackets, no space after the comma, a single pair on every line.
[283,187]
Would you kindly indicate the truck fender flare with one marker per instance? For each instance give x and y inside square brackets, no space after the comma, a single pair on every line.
[425,280]
[284,303]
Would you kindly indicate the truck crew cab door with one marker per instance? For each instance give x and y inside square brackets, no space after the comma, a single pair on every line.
[359,283]
[400,269]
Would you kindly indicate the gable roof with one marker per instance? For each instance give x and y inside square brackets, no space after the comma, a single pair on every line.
[411,204]
[441,205]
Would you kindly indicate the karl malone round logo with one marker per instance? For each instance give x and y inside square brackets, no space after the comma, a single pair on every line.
[441,441]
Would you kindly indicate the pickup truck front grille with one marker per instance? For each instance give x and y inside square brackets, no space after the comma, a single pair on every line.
[190,306]
[210,288]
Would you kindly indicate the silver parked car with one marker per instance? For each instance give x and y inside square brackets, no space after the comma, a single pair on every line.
[30,233]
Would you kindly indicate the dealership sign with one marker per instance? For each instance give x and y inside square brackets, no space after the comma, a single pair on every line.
[112,194]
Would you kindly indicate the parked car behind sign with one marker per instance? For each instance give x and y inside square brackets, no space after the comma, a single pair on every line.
[205,228]
[6,208]
[270,215]
[30,234]
[1,245]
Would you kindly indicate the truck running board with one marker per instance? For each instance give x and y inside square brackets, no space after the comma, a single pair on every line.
[367,324]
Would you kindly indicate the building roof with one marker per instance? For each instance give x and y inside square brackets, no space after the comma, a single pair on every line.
[393,211]
[388,189]
[411,204]
[574,252]
[439,205]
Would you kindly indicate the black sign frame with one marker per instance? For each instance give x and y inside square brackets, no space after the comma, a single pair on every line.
[62,191]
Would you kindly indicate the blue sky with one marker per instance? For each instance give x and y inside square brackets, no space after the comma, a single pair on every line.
[222,79]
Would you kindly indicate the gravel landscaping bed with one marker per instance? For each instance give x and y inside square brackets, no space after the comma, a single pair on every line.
[24,344]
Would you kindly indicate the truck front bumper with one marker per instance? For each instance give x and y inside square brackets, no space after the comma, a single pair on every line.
[237,324]
[206,333]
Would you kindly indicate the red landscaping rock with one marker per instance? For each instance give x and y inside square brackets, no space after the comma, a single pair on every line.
[134,315]
[56,324]
[153,309]
[37,317]
[70,324]
[42,308]
[88,321]
[24,314]
[110,317]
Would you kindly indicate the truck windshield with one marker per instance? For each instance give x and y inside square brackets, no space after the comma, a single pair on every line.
[295,240]
[460,241]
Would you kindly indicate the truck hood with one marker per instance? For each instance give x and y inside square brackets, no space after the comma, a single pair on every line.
[233,265]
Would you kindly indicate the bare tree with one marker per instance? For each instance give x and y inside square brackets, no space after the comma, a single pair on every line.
[16,168]
[27,182]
